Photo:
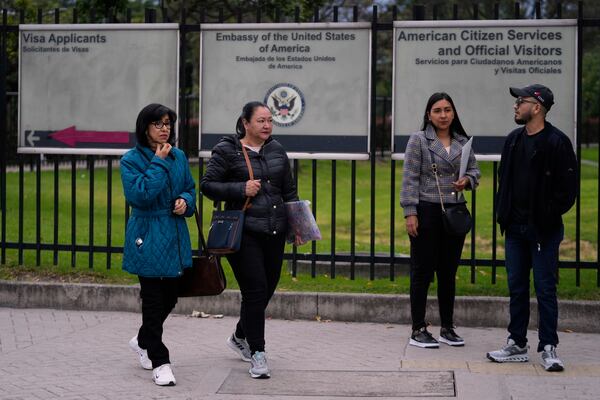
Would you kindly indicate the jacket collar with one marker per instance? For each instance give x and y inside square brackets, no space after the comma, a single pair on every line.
[238,144]
[146,152]
[436,146]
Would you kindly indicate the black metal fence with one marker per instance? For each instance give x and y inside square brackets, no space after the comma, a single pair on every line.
[25,178]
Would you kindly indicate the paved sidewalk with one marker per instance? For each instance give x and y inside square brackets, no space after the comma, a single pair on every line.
[49,354]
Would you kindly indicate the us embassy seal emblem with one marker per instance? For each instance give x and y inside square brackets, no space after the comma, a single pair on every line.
[286,103]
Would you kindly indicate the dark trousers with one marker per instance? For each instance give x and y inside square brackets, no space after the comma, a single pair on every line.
[159,296]
[524,252]
[257,268]
[433,250]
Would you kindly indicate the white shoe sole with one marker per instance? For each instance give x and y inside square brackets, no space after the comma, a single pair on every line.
[259,376]
[413,342]
[520,358]
[170,383]
[450,343]
[237,351]
[555,367]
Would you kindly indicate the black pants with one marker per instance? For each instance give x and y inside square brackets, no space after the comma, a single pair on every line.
[159,296]
[257,268]
[433,250]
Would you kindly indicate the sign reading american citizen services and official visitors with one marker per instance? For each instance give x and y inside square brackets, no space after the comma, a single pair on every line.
[82,86]
[315,78]
[476,62]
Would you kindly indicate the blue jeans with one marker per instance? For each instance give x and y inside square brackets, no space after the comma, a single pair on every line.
[524,252]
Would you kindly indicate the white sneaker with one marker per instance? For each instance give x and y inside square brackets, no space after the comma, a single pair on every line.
[550,360]
[143,354]
[240,346]
[163,375]
[260,368]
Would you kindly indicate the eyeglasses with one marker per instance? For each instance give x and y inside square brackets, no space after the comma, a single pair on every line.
[160,124]
[521,100]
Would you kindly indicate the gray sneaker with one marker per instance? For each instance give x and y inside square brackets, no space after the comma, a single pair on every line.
[260,368]
[509,353]
[240,346]
[550,360]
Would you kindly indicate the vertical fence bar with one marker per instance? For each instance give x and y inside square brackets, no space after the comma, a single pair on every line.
[40,16]
[56,206]
[73,211]
[598,205]
[200,196]
[494,226]
[57,15]
[353,195]
[296,14]
[294,248]
[538,10]
[313,244]
[3,132]
[38,210]
[91,166]
[475,11]
[392,218]
[559,10]
[473,233]
[579,134]
[455,11]
[333,213]
[21,186]
[352,219]
[517,10]
[496,11]
[108,211]
[373,146]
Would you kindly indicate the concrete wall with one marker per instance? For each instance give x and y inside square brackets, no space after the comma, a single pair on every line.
[578,316]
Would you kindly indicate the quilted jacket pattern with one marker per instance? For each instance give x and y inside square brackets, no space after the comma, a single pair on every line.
[226,175]
[157,242]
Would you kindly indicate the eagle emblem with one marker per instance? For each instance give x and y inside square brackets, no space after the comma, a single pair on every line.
[286,103]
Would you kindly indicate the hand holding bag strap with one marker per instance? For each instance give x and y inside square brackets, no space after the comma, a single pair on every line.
[250,172]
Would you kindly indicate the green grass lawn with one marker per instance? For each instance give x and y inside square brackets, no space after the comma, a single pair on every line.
[384,171]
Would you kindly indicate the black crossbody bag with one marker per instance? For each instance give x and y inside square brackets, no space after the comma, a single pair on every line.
[456,219]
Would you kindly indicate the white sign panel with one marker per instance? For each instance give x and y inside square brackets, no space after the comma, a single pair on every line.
[476,62]
[315,78]
[82,86]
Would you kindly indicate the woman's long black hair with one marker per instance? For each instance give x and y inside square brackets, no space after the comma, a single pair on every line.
[247,113]
[455,126]
[151,113]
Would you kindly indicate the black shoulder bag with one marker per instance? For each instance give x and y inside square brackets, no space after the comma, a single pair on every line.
[456,218]
[226,226]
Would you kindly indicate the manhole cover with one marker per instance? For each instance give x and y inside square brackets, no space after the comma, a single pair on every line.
[343,383]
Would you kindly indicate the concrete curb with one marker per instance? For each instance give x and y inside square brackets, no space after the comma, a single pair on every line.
[577,316]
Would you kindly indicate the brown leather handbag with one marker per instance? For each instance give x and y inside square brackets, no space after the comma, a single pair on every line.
[206,276]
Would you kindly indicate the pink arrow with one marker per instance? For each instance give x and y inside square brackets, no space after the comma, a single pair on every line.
[70,136]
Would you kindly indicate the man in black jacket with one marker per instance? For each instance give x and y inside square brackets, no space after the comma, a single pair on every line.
[537,185]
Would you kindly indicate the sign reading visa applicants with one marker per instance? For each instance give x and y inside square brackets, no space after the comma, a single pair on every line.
[82,86]
[314,77]
[476,62]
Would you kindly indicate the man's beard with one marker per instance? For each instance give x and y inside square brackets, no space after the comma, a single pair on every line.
[523,119]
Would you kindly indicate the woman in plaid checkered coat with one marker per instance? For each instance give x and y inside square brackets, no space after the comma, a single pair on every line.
[431,248]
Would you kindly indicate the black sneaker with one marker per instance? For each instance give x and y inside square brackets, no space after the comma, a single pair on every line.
[448,336]
[422,338]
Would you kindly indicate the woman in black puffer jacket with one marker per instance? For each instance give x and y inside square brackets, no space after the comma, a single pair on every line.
[257,265]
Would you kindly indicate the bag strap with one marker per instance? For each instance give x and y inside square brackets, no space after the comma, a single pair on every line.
[204,249]
[250,172]
[217,203]
[437,182]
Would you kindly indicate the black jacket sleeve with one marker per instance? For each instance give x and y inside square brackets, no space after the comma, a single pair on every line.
[565,178]
[214,184]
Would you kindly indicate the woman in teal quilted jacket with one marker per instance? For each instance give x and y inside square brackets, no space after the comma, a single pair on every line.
[159,188]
